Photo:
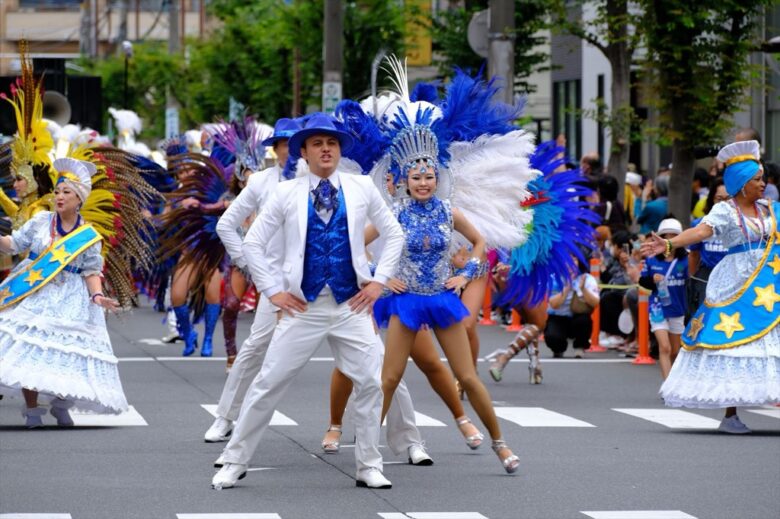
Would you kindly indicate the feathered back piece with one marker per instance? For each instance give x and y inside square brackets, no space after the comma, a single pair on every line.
[115,209]
[191,232]
[32,143]
[243,138]
[562,227]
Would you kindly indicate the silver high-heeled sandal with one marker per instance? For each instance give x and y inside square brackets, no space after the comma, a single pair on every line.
[473,441]
[523,339]
[332,447]
[534,366]
[511,462]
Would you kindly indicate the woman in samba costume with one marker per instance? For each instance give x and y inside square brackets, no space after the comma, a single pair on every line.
[731,346]
[53,337]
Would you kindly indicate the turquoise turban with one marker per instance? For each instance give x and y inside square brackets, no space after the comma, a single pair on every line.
[737,175]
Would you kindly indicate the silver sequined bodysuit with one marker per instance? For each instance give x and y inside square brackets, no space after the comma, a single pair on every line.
[425,262]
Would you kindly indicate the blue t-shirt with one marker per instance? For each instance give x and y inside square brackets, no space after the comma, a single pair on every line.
[711,250]
[652,215]
[675,281]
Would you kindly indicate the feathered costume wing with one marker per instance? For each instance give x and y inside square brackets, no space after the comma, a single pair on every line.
[562,228]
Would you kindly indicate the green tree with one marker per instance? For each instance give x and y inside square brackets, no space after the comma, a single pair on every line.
[449,30]
[697,61]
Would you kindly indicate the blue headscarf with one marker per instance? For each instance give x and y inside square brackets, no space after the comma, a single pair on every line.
[737,175]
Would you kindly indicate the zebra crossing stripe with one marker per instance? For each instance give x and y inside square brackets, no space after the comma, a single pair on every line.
[672,418]
[772,413]
[538,417]
[423,420]
[432,515]
[35,516]
[277,419]
[130,418]
[639,514]
[228,516]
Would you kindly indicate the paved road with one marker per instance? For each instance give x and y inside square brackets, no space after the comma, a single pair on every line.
[594,439]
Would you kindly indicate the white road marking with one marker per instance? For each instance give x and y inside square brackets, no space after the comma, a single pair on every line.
[131,418]
[423,420]
[672,418]
[772,413]
[228,516]
[639,514]
[277,419]
[538,417]
[136,359]
[35,516]
[153,342]
[432,515]
[193,358]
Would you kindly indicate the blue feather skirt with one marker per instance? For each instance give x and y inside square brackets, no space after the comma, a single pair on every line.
[416,311]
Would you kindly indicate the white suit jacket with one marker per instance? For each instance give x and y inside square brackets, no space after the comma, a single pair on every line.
[252,198]
[288,211]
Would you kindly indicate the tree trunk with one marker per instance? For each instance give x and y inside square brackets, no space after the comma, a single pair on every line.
[681,181]
[619,55]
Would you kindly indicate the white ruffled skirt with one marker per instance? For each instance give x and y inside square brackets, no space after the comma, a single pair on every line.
[55,342]
[747,375]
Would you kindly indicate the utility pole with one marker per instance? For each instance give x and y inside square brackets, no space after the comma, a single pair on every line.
[333,59]
[174,47]
[501,38]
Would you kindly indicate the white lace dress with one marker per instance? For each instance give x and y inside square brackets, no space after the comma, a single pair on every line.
[746,375]
[55,340]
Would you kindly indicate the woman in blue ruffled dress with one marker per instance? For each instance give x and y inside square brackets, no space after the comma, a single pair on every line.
[425,294]
[731,346]
[53,338]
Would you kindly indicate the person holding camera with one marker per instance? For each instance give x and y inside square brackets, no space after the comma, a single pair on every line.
[569,314]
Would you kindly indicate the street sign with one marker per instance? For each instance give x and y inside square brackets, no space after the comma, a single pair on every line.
[478,33]
[171,123]
[331,95]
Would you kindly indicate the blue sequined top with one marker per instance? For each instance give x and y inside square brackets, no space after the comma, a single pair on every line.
[425,262]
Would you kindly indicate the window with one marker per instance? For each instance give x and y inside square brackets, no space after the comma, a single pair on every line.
[566,119]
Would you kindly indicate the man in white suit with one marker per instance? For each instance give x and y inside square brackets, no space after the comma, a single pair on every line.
[252,198]
[325,289]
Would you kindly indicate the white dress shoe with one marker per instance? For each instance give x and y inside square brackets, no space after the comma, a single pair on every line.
[418,456]
[372,478]
[219,462]
[219,431]
[228,475]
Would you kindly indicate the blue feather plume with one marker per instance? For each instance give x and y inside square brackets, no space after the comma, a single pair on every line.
[370,142]
[563,226]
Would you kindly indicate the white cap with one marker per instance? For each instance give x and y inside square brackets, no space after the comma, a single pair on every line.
[633,179]
[670,226]
[78,173]
[738,151]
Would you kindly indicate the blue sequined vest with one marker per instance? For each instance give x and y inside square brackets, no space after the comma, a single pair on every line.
[328,259]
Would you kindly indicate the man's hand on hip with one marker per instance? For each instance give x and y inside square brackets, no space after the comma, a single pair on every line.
[365,299]
[288,302]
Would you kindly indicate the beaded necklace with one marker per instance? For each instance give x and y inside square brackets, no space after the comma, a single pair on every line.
[745,223]
[56,227]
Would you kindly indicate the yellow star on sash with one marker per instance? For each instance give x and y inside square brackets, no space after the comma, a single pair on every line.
[5,293]
[33,277]
[775,264]
[695,327]
[729,324]
[767,297]
[59,255]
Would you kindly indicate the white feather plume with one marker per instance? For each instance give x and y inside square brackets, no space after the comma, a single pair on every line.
[491,177]
[126,121]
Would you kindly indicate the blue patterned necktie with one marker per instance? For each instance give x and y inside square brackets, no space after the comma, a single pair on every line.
[324,196]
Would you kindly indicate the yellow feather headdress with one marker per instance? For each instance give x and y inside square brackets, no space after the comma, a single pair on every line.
[32,143]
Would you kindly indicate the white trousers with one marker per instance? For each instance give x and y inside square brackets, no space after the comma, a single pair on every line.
[353,342]
[248,361]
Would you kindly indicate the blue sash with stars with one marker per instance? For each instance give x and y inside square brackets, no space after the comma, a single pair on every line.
[750,313]
[46,266]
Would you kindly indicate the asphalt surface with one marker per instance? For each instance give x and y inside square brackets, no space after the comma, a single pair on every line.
[580,457]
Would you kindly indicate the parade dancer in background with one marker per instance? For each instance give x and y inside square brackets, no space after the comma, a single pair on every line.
[53,337]
[326,291]
[245,140]
[730,355]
